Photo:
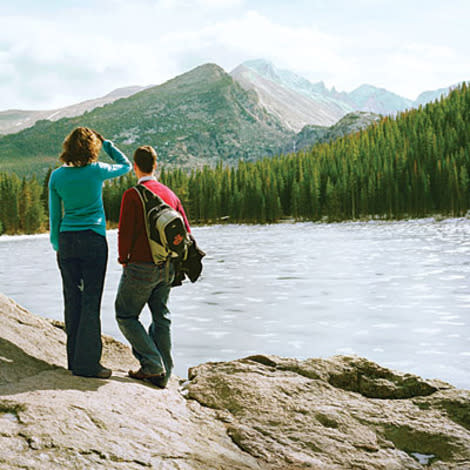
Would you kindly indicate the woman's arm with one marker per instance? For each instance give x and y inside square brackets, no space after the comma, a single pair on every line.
[122,165]
[55,215]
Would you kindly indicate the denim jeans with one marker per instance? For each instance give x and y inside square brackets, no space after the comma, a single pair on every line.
[146,283]
[82,259]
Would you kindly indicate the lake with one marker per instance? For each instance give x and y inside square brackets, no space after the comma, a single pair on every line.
[394,292]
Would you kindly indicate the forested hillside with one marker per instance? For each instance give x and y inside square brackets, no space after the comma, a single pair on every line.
[414,165]
[349,124]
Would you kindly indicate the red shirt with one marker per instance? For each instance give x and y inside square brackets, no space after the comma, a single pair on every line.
[132,236]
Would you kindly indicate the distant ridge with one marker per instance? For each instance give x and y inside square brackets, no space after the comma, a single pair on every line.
[432,95]
[13,120]
[376,100]
[311,135]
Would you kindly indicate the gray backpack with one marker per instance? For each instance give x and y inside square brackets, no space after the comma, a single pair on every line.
[166,232]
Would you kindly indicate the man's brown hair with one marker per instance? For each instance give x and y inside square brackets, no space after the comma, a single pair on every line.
[145,158]
[81,147]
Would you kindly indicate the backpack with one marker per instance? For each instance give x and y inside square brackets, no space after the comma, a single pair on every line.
[166,232]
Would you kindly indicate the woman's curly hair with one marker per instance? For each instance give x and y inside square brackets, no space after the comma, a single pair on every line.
[81,147]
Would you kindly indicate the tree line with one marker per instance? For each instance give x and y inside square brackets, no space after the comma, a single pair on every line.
[412,165]
[24,204]
[23,207]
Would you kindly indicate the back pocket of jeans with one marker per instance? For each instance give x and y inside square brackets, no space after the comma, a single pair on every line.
[136,274]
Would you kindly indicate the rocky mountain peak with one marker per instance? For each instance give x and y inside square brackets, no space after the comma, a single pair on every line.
[263,67]
[205,73]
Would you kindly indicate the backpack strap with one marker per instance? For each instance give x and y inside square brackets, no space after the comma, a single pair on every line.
[141,192]
[145,194]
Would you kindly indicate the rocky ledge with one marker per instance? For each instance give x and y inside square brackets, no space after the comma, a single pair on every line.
[260,412]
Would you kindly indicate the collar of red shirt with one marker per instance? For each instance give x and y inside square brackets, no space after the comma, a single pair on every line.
[146,178]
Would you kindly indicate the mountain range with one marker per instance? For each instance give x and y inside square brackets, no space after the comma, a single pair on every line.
[204,116]
[200,117]
[299,102]
[293,99]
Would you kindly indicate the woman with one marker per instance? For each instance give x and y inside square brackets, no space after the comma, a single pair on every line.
[78,234]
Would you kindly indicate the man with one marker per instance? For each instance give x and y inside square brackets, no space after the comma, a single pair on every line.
[142,281]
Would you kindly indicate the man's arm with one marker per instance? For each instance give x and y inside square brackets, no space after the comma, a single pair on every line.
[180,209]
[127,226]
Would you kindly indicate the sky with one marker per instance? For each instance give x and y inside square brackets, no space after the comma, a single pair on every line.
[55,53]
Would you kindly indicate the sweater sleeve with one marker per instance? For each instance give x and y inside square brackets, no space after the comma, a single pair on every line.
[122,165]
[127,226]
[180,209]
[55,215]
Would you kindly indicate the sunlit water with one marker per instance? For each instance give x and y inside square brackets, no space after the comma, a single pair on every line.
[396,293]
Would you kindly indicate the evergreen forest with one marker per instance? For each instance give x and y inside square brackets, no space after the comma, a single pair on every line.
[416,164]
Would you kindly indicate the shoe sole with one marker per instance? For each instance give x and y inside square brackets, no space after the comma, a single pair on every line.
[146,376]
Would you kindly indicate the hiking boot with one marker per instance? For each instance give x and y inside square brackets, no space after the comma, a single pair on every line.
[141,375]
[104,373]
[160,381]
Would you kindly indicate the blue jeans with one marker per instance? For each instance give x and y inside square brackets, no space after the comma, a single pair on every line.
[82,259]
[146,283]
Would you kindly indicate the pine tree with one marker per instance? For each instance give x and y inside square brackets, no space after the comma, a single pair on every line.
[35,214]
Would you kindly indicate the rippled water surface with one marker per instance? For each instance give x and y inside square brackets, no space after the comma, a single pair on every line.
[395,292]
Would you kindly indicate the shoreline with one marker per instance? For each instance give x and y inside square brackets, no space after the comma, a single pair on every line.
[361,288]
[371,221]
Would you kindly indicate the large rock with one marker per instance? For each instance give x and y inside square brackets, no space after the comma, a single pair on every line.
[339,413]
[50,419]
[255,413]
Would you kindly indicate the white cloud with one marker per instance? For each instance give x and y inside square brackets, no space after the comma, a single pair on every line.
[254,36]
[53,60]
[430,51]
[194,4]
[420,67]
[58,62]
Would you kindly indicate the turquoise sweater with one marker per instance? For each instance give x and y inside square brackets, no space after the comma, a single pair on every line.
[75,194]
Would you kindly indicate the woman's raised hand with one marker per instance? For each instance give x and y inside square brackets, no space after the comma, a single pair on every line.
[99,135]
